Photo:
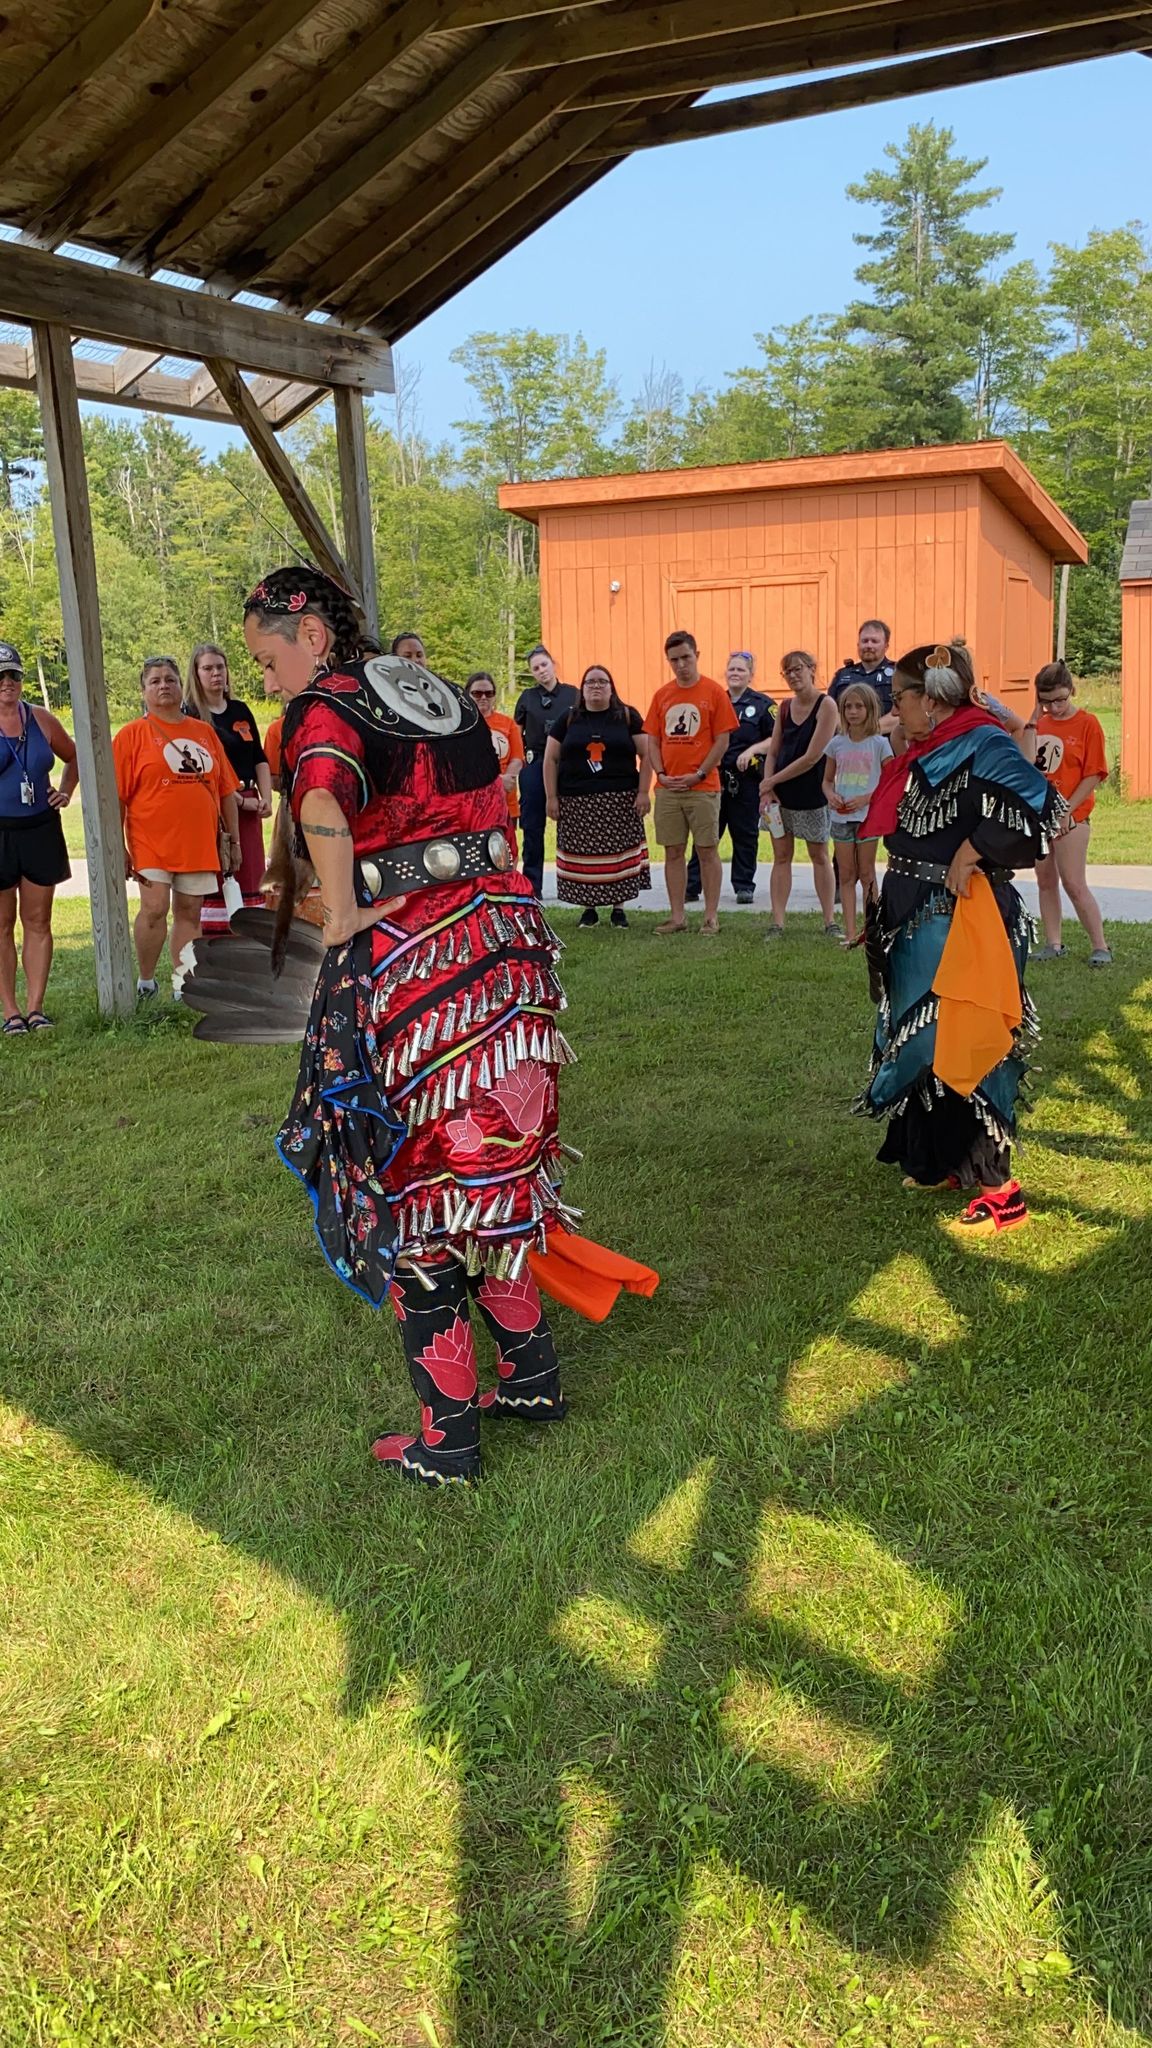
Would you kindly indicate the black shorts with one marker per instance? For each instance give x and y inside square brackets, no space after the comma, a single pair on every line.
[33,850]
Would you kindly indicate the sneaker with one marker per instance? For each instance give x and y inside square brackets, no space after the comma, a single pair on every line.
[618,918]
[145,990]
[774,931]
[590,917]
[745,896]
[992,1211]
[1048,953]
[833,931]
[1100,957]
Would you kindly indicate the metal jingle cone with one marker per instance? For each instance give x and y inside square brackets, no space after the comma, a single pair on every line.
[436,1095]
[484,1076]
[491,1214]
[519,1261]
[521,1040]
[569,1151]
[450,1089]
[498,1060]
[416,1269]
[448,1024]
[504,1262]
[475,1264]
[466,1011]
[446,1209]
[473,1216]
[390,1068]
[464,1085]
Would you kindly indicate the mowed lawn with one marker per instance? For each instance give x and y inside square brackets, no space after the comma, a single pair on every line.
[796,1692]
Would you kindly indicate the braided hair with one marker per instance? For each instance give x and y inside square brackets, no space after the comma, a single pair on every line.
[282,597]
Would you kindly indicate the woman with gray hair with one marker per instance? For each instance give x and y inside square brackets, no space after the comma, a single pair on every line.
[176,792]
[947,940]
[208,695]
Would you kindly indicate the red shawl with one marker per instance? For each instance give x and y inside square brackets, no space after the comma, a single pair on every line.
[881,818]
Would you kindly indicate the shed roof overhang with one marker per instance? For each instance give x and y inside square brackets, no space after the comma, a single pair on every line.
[366,160]
[993,462]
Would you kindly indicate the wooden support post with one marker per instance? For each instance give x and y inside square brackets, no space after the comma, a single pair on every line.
[356,501]
[1062,611]
[276,466]
[80,606]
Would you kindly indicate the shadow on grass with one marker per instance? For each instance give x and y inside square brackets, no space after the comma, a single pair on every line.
[704,1685]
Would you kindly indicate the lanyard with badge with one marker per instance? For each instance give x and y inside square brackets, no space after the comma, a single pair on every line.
[20,755]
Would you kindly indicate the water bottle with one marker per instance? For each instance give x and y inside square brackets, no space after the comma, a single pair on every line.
[774,820]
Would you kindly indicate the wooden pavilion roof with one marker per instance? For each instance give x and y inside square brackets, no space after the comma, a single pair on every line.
[360,162]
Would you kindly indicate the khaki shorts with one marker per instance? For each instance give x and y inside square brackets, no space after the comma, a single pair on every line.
[190,883]
[682,814]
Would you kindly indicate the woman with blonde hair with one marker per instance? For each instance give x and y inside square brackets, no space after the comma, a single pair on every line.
[176,790]
[208,695]
[794,779]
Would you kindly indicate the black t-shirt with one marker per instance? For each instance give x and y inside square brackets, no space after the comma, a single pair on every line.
[539,713]
[240,738]
[757,715]
[597,752]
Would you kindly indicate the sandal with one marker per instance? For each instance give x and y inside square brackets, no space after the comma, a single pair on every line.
[15,1027]
[36,1020]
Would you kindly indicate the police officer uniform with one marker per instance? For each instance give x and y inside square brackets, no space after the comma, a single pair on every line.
[538,713]
[878,679]
[740,795]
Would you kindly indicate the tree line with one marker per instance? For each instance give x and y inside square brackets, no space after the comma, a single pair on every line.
[949,339]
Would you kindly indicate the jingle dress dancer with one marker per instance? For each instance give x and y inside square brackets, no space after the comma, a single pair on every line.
[424,1124]
[948,939]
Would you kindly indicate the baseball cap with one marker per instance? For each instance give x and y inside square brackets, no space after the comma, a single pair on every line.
[9,659]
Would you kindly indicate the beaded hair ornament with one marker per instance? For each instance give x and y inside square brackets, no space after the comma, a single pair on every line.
[276,600]
[941,680]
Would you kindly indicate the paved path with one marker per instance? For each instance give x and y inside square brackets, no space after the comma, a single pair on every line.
[1124,893]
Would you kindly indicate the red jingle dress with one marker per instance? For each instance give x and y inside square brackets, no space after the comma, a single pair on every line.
[424,1123]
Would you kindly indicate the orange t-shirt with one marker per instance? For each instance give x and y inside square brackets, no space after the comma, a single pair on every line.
[272,746]
[684,720]
[1068,749]
[172,780]
[509,745]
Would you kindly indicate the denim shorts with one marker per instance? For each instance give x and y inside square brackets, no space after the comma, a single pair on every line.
[846,830]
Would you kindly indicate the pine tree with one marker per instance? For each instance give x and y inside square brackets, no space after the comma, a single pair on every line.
[928,276]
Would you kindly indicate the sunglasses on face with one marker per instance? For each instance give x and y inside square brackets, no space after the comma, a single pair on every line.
[483,693]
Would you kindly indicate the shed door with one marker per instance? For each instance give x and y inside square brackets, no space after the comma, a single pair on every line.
[769,615]
[714,613]
[1017,597]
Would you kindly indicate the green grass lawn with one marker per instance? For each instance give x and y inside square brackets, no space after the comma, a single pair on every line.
[795,1693]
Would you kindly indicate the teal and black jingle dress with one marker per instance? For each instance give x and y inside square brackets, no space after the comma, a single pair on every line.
[966,780]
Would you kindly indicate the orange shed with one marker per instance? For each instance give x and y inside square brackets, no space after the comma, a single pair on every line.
[775,555]
[1136,658]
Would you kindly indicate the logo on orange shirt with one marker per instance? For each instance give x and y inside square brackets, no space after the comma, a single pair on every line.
[682,721]
[595,752]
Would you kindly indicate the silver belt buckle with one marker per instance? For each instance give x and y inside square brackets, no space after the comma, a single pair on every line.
[442,860]
[499,852]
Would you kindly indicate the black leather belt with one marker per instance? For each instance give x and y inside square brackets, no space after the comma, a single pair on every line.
[422,863]
[935,870]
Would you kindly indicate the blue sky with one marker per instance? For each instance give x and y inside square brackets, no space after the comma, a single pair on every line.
[681,255]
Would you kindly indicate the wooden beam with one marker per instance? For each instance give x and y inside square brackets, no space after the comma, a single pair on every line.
[873,88]
[280,472]
[398,223]
[132,364]
[80,608]
[187,101]
[483,13]
[356,500]
[277,138]
[391,281]
[290,403]
[857,36]
[112,305]
[398,133]
[484,250]
[605,33]
[49,92]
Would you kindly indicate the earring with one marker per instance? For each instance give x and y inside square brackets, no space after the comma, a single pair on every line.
[319,668]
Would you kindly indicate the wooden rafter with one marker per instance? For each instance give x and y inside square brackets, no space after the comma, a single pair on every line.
[857,36]
[189,101]
[365,253]
[398,134]
[116,306]
[485,249]
[392,280]
[873,88]
[280,135]
[599,35]
[61,78]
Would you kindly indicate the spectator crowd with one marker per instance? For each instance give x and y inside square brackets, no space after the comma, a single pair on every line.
[195,780]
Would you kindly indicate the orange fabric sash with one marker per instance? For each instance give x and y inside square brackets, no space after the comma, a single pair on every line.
[587,1276]
[979,991]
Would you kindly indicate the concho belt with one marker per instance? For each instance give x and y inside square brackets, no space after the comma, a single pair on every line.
[936,870]
[422,863]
